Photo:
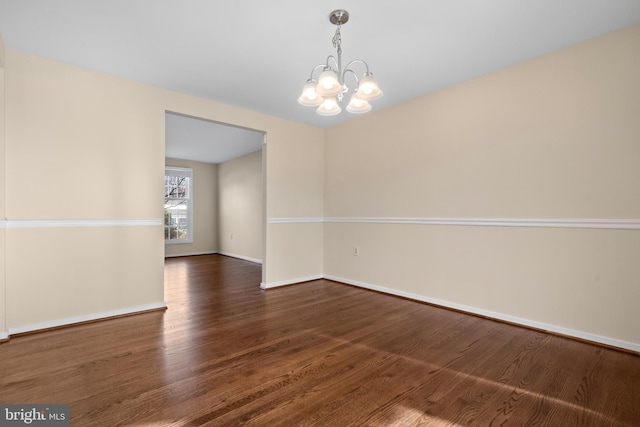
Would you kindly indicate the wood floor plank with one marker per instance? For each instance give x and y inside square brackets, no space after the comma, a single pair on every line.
[319,353]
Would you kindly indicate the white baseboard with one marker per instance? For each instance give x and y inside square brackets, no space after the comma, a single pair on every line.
[246,258]
[495,315]
[85,318]
[191,254]
[290,282]
[4,335]
[257,261]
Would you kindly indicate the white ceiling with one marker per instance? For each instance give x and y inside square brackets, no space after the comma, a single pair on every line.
[257,54]
[206,141]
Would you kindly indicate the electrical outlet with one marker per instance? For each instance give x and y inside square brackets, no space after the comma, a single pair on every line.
[356,250]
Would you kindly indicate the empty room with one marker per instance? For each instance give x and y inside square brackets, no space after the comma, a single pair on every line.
[382,213]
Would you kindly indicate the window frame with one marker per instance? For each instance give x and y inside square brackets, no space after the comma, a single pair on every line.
[187,173]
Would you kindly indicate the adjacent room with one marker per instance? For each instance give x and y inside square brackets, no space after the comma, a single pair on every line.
[214,200]
[413,213]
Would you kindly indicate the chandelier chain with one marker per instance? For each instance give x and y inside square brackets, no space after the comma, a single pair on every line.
[337,40]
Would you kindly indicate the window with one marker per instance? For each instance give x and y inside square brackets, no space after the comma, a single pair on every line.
[178,202]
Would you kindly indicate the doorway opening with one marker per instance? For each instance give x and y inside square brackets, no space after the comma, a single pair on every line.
[226,189]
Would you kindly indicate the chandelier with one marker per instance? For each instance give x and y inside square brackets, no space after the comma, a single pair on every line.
[328,91]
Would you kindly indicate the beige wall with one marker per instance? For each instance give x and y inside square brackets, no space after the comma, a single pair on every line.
[205,189]
[61,275]
[80,147]
[553,138]
[298,164]
[84,148]
[240,207]
[3,323]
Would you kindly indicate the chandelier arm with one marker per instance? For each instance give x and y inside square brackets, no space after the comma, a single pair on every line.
[336,63]
[348,70]
[315,68]
[366,66]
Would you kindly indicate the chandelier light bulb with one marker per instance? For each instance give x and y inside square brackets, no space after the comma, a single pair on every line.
[310,91]
[328,84]
[329,107]
[309,97]
[368,88]
[357,105]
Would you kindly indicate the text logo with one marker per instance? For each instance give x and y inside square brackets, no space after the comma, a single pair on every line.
[34,415]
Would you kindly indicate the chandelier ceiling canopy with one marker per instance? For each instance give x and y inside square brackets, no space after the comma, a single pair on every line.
[328,90]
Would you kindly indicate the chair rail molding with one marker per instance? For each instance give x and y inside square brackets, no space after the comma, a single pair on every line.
[619,224]
[301,220]
[72,223]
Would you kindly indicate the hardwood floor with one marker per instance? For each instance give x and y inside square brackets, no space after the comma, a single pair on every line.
[315,354]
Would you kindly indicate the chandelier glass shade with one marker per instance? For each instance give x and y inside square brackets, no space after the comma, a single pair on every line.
[329,106]
[328,90]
